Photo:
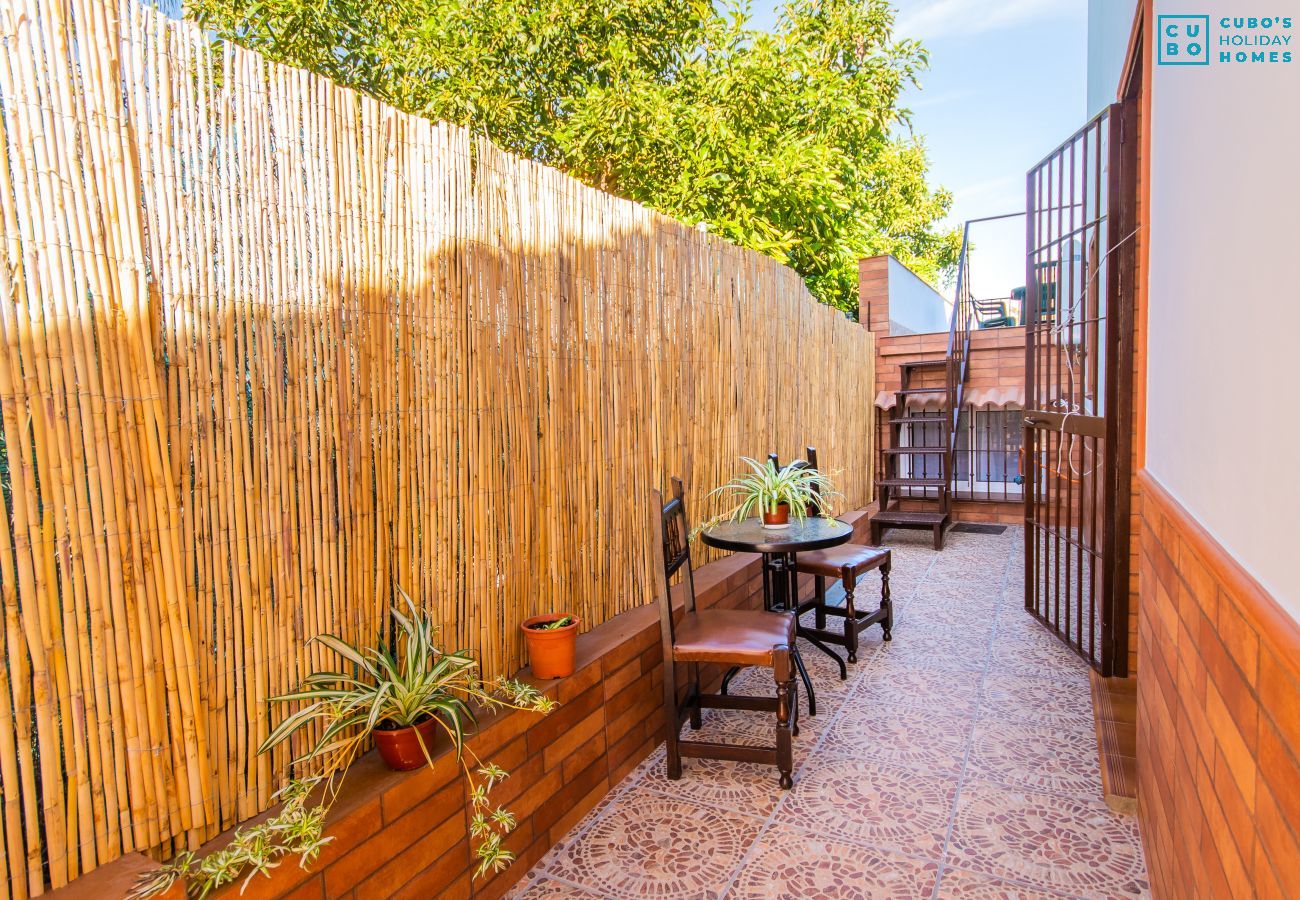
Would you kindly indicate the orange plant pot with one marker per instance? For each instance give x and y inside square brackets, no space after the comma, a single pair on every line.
[400,747]
[551,652]
[778,519]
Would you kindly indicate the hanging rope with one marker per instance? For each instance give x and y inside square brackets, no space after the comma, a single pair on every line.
[1062,403]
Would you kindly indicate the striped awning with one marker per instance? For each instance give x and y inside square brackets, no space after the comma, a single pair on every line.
[978,397]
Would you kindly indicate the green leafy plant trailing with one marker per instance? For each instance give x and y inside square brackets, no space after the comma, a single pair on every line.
[399,685]
[765,487]
[296,829]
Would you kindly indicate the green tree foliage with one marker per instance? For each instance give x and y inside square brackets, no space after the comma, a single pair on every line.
[791,142]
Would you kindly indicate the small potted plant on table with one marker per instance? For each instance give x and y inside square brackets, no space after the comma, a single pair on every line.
[552,644]
[776,494]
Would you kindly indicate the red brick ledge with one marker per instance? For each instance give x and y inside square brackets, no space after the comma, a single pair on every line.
[405,834]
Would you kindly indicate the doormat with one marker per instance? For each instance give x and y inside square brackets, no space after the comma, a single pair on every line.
[978,528]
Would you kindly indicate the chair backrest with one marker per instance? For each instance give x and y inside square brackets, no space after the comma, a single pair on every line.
[808,462]
[671,553]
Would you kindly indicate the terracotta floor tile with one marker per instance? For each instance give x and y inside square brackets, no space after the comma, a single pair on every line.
[759,729]
[886,807]
[651,845]
[934,690]
[1031,659]
[744,787]
[958,885]
[549,889]
[968,739]
[788,863]
[976,618]
[924,741]
[1036,757]
[940,648]
[1058,843]
[1046,701]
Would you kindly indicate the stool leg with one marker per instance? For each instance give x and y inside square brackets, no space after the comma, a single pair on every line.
[886,603]
[695,688]
[820,590]
[784,684]
[850,616]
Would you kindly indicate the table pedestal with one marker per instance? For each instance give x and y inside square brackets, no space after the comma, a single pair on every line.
[781,594]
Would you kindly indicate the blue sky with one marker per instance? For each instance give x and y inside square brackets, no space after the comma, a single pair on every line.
[1007,83]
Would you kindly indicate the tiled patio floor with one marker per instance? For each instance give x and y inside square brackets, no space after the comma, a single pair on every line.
[957,761]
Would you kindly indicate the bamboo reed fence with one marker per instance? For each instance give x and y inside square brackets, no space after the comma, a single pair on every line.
[272,350]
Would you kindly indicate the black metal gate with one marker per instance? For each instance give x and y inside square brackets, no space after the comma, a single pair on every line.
[1079,371]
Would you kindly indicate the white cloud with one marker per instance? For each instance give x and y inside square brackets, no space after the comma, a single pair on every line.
[929,19]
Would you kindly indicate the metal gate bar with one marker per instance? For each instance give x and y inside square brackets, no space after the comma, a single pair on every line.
[1078,369]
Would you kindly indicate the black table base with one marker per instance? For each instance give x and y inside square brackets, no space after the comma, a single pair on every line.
[780,582]
[781,594]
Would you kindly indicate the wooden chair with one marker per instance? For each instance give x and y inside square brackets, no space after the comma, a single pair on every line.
[728,637]
[847,562]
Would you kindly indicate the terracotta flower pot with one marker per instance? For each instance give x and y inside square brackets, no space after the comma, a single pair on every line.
[400,747]
[778,519]
[551,650]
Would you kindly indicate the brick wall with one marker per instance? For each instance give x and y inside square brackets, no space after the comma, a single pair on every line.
[405,835]
[1218,717]
[997,360]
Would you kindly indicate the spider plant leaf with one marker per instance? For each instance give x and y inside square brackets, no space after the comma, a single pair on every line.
[292,724]
[347,651]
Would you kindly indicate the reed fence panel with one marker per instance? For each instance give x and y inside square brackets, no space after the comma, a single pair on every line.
[273,350]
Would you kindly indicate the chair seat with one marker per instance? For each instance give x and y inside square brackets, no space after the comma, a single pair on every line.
[739,637]
[857,558]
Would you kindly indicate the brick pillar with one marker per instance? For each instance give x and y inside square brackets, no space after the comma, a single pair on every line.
[873,294]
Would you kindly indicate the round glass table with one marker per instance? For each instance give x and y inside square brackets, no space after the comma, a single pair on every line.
[780,582]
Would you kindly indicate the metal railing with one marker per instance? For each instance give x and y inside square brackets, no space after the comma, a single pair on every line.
[962,460]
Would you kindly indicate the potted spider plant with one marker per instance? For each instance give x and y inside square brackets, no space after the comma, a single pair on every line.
[552,640]
[405,695]
[776,494]
[409,695]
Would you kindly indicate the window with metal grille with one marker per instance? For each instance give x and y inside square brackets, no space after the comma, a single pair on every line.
[988,457]
[987,462]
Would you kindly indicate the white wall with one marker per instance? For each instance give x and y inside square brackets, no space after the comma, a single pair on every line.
[1110,23]
[914,306]
[1224,315]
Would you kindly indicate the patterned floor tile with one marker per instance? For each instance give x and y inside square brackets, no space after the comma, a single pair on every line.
[1058,843]
[759,729]
[744,787]
[958,885]
[885,807]
[1036,757]
[549,889]
[938,648]
[1047,701]
[934,690]
[650,845]
[1032,659]
[788,863]
[969,737]
[978,618]
[923,741]
[976,589]
[830,690]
